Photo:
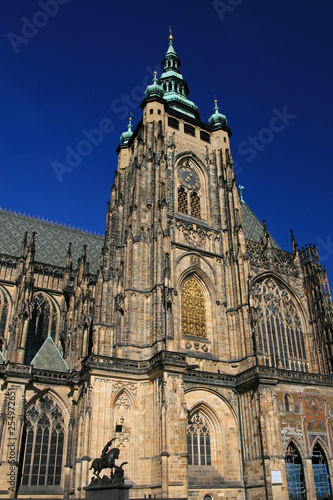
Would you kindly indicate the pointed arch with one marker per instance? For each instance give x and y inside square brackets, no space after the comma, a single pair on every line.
[44,443]
[320,469]
[191,186]
[280,325]
[5,311]
[193,308]
[196,316]
[43,321]
[123,404]
[294,471]
[216,414]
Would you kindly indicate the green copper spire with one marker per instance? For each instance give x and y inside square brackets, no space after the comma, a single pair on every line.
[217,119]
[154,89]
[174,85]
[125,136]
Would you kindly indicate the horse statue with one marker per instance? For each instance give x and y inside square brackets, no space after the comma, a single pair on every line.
[107,459]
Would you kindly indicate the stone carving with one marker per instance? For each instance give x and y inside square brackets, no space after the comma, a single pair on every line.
[265,257]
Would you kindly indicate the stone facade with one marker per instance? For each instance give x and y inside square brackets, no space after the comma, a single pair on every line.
[206,351]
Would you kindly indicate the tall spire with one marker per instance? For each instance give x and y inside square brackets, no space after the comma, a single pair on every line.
[174,85]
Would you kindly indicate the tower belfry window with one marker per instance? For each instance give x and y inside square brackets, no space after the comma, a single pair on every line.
[188,197]
[182,200]
[195,205]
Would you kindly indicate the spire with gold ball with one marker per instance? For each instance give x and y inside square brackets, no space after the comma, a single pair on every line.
[217,119]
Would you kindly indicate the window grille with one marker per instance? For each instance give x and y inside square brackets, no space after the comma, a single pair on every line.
[193,309]
[195,205]
[182,201]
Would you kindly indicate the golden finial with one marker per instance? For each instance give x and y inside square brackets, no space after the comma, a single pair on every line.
[170,36]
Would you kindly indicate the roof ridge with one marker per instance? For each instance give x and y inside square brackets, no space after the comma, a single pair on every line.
[59,224]
[43,349]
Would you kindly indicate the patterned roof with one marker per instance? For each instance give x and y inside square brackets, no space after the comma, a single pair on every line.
[52,240]
[49,358]
[253,228]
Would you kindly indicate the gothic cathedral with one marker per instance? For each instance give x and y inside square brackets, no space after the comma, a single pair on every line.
[192,338]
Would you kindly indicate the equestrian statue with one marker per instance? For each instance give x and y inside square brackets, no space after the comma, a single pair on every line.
[107,461]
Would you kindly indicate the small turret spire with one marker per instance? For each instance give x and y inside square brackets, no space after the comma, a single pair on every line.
[69,255]
[217,119]
[24,244]
[125,136]
[154,90]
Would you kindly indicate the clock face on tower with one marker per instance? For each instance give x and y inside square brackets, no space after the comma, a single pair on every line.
[188,177]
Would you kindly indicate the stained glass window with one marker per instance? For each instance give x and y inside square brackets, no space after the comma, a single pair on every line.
[193,309]
[280,336]
[198,441]
[43,455]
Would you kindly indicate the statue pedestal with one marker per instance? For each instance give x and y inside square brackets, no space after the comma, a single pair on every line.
[105,490]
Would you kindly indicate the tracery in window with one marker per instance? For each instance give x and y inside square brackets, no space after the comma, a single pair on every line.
[189,189]
[193,309]
[43,321]
[280,336]
[43,454]
[198,441]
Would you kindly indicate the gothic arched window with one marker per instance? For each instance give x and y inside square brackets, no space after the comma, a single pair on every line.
[294,472]
[3,317]
[320,472]
[189,183]
[182,201]
[43,321]
[198,441]
[193,309]
[280,336]
[195,205]
[43,453]
[288,403]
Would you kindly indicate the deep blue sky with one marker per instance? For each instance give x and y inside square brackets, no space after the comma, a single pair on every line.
[256,56]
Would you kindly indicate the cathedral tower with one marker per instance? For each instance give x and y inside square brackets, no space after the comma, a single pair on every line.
[192,337]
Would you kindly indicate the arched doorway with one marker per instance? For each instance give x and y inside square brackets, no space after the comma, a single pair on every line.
[320,473]
[295,474]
